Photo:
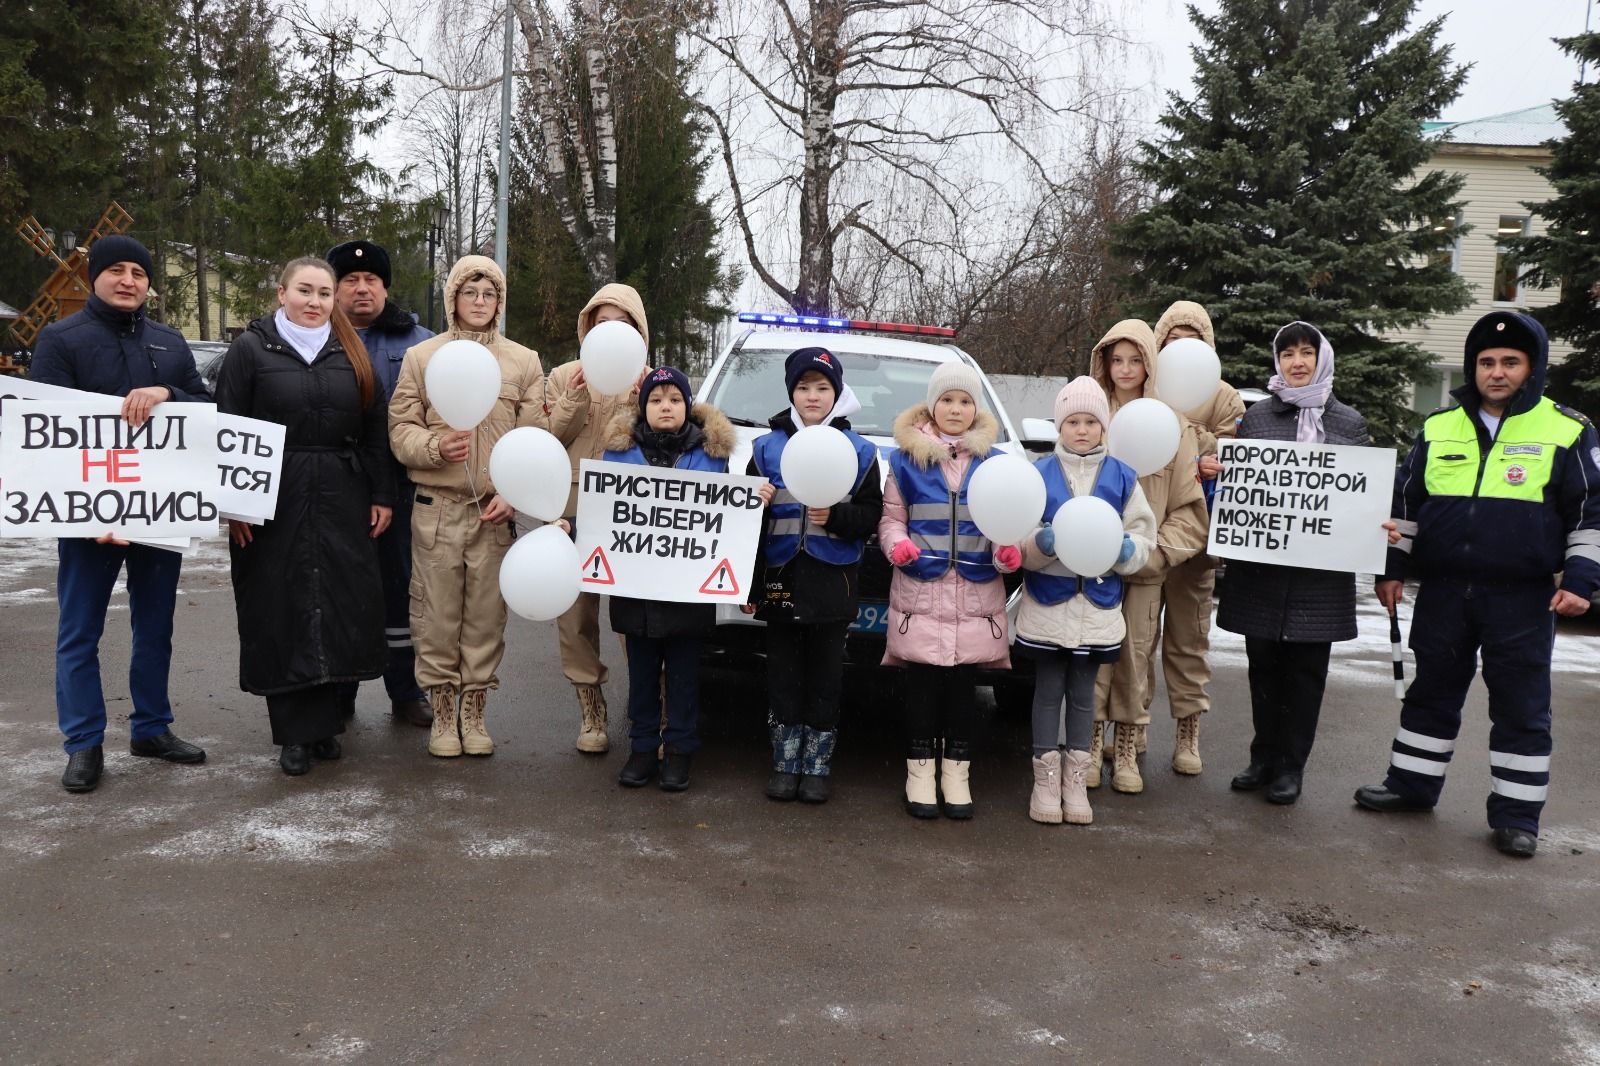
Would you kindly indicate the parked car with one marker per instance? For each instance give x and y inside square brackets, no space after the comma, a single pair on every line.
[208,360]
[888,366]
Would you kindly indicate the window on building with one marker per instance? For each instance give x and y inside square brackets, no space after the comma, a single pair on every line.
[1425,391]
[1448,229]
[1507,278]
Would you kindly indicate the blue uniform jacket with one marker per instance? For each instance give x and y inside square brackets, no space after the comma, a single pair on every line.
[391,334]
[101,349]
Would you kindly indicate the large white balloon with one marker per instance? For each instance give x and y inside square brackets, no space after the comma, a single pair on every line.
[613,358]
[1144,434]
[529,467]
[1088,535]
[1187,373]
[1006,497]
[539,575]
[463,383]
[819,466]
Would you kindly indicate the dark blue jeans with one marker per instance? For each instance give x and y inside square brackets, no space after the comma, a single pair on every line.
[681,655]
[394,566]
[1513,628]
[84,581]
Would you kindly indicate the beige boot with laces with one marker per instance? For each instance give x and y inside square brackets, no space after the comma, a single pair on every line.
[1125,766]
[475,738]
[1044,804]
[1097,747]
[1074,797]
[445,740]
[1186,749]
[592,738]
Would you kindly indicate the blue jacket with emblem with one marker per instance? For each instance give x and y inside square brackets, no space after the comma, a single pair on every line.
[1516,505]
[101,349]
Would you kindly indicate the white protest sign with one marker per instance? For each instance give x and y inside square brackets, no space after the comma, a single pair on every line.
[1319,506]
[249,463]
[656,533]
[79,470]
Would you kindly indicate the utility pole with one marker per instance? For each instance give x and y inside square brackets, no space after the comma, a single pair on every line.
[503,185]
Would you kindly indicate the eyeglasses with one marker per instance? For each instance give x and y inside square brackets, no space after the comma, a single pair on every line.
[487,296]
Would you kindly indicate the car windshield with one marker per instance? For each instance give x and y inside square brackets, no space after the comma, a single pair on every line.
[748,389]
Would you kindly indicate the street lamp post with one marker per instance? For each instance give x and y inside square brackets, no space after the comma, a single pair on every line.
[438,223]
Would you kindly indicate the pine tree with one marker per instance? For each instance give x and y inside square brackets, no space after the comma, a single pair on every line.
[1567,254]
[1289,188]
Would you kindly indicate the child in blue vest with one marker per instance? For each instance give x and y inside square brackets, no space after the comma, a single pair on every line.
[947,604]
[1072,625]
[669,429]
[807,578]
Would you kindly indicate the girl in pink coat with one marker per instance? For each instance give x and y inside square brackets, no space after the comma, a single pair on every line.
[947,603]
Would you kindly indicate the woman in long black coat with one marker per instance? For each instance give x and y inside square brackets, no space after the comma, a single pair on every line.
[306,584]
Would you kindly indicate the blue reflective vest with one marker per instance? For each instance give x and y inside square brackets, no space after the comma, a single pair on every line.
[939,522]
[788,532]
[1114,484]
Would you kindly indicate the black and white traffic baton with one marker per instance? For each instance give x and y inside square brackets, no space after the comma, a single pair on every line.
[1398,654]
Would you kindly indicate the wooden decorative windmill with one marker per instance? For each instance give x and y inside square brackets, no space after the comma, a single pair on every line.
[67,288]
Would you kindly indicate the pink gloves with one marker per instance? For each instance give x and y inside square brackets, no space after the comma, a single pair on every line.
[1008,557]
[904,554]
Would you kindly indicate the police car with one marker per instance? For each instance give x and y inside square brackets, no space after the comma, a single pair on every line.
[887,365]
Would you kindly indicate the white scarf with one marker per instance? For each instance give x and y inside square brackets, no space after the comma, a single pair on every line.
[306,340]
[848,404]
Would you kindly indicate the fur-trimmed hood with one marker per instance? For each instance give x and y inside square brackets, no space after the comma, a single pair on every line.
[914,434]
[1185,313]
[719,432]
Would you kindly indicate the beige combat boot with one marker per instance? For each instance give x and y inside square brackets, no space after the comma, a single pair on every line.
[1044,804]
[1141,739]
[1097,748]
[445,740]
[474,736]
[1074,795]
[592,738]
[1186,749]
[1125,767]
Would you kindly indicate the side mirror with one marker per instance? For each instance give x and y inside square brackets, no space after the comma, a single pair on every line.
[1038,434]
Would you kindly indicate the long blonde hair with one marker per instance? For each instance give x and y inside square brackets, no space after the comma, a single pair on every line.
[343,330]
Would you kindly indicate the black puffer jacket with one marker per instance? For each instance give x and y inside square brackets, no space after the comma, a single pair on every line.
[306,589]
[1289,603]
[102,349]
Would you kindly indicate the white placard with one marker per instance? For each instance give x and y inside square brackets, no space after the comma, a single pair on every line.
[1319,506]
[664,534]
[249,467]
[78,470]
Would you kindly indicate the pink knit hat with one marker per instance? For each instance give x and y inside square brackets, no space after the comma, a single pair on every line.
[1082,396]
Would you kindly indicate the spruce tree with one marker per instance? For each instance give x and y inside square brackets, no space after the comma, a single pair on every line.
[1290,187]
[1567,254]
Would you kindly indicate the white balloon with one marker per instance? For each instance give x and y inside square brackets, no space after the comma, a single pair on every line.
[1187,373]
[1006,497]
[463,383]
[1144,434]
[1088,535]
[613,358]
[529,467]
[819,466]
[539,575]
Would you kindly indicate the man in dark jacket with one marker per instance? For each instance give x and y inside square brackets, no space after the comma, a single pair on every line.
[388,331]
[1497,494]
[110,347]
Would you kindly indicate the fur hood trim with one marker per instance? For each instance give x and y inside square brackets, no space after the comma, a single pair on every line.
[720,434]
[912,434]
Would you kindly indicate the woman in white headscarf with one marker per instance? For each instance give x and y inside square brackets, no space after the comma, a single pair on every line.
[1291,616]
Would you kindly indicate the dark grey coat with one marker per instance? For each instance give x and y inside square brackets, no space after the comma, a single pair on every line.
[1289,603]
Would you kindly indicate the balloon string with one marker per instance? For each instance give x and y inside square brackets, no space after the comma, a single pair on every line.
[471,484]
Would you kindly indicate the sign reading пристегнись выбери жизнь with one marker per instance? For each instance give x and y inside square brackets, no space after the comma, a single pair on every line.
[666,534]
[1320,506]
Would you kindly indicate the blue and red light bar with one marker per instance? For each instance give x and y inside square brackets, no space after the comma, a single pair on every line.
[768,318]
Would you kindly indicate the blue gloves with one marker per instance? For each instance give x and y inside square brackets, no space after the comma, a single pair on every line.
[1046,540]
[1127,550]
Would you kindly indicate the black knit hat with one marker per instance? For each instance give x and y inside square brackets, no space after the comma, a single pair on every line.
[351,256]
[665,375]
[824,362]
[116,248]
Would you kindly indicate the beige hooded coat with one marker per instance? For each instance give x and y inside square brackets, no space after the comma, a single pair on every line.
[1220,416]
[415,428]
[579,418]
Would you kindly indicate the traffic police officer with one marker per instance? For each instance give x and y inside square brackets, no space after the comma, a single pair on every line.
[1497,494]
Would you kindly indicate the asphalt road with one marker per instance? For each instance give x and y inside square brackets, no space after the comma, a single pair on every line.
[395,908]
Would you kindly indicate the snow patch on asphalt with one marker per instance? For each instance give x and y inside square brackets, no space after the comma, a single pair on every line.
[1045,1038]
[530,845]
[334,1049]
[642,846]
[1570,995]
[1570,836]
[311,827]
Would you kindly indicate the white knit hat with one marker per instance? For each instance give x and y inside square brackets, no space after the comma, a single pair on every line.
[954,375]
[1082,396]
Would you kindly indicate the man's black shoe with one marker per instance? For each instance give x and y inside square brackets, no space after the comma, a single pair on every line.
[347,704]
[813,789]
[412,712]
[1518,843]
[295,759]
[83,770]
[638,770]
[327,748]
[1251,777]
[168,747]
[1379,798]
[675,772]
[783,787]
[1285,789]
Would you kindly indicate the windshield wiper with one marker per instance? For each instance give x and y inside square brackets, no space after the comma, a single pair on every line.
[745,422]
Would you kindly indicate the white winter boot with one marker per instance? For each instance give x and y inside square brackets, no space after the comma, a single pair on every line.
[1074,788]
[1044,805]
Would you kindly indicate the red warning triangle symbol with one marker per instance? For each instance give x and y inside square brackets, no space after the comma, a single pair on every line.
[721,582]
[596,570]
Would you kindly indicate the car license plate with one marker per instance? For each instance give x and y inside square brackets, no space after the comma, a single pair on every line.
[872,616]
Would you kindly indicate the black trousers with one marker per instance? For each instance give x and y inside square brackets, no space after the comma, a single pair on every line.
[1286,683]
[307,715]
[940,702]
[805,671]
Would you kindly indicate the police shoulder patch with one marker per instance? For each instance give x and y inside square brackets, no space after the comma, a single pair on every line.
[1574,414]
